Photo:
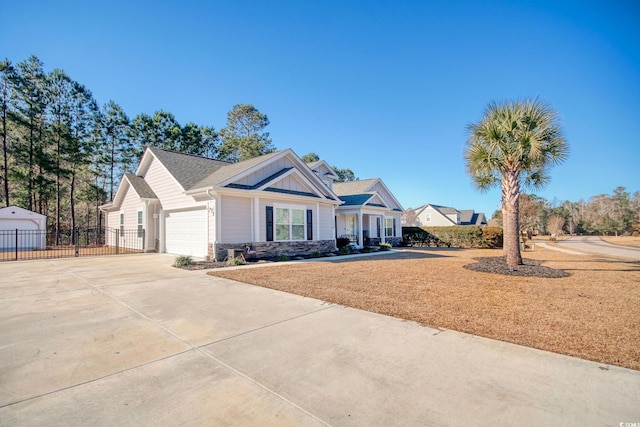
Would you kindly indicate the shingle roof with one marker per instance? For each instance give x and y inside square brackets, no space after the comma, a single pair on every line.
[313,164]
[466,216]
[353,187]
[230,170]
[445,209]
[355,199]
[187,169]
[140,186]
[197,172]
[470,217]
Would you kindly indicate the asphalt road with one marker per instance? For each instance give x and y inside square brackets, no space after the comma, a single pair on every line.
[597,245]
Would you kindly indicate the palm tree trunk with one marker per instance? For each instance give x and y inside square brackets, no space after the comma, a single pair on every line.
[510,213]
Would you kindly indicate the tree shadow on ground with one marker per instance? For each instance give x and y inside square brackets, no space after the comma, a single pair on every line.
[588,265]
[390,255]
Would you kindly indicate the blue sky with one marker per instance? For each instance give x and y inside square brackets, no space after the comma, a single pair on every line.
[385,88]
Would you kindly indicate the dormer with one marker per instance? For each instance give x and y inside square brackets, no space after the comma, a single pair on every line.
[324,172]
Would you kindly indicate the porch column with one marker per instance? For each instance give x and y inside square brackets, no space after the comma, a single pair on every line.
[383,230]
[145,223]
[316,224]
[256,219]
[360,234]
[218,218]
[163,237]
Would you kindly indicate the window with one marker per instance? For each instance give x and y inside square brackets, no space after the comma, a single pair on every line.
[121,224]
[290,224]
[427,217]
[388,227]
[140,229]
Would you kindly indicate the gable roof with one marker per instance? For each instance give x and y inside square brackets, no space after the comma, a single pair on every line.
[466,216]
[446,210]
[320,164]
[470,217]
[12,212]
[356,199]
[360,186]
[230,170]
[368,186]
[196,174]
[140,186]
[187,169]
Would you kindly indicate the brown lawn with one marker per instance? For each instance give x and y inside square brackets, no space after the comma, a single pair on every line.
[593,314]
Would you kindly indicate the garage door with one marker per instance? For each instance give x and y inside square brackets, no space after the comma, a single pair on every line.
[186,232]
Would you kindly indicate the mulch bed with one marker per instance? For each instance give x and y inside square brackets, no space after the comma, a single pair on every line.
[530,268]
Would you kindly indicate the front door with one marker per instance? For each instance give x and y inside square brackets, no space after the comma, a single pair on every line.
[351,227]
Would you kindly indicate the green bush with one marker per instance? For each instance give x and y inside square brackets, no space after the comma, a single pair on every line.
[454,236]
[183,261]
[345,250]
[342,242]
[284,257]
[315,254]
[384,246]
[236,261]
[493,237]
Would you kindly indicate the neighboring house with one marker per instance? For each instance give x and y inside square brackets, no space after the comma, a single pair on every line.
[31,226]
[442,216]
[370,213]
[189,205]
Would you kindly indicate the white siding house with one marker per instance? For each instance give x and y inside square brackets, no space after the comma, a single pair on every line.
[370,214]
[430,215]
[190,205]
[274,204]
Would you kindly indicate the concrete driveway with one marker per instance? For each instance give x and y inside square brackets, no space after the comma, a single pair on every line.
[129,340]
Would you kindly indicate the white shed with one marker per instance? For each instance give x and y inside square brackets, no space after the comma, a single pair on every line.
[31,229]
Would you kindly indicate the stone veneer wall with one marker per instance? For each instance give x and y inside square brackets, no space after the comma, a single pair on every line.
[274,249]
[395,241]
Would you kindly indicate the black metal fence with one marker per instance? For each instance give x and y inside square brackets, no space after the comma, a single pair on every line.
[39,244]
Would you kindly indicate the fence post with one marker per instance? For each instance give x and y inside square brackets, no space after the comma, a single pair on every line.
[76,237]
[16,244]
[117,239]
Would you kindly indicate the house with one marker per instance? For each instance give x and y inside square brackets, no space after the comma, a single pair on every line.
[32,228]
[190,205]
[370,213]
[442,216]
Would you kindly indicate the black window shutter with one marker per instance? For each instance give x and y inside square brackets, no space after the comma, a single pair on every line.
[394,227]
[378,226]
[269,223]
[309,224]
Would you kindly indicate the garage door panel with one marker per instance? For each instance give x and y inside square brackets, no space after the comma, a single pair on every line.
[186,232]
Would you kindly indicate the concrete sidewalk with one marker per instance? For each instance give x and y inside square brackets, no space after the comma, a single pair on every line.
[129,340]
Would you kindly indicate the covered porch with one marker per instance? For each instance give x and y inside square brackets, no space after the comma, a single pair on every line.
[363,228]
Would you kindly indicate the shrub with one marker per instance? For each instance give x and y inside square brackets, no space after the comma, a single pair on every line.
[236,261]
[183,261]
[384,246]
[492,237]
[284,257]
[315,254]
[345,250]
[342,242]
[456,236]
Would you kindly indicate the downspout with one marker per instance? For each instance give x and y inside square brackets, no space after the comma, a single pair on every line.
[213,213]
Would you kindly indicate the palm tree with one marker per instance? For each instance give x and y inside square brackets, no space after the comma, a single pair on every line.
[514,144]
